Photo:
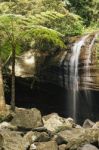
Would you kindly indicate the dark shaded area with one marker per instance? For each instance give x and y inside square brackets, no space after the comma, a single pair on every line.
[87,105]
[50,98]
[47,98]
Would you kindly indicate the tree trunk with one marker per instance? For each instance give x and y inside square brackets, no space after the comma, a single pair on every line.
[2,97]
[13,80]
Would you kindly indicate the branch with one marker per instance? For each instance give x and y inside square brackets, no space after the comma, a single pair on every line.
[7,60]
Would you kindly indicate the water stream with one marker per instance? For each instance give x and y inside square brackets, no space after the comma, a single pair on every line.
[74,77]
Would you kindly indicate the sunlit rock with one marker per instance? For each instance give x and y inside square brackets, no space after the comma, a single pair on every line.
[7,125]
[52,122]
[55,123]
[29,58]
[25,64]
[33,147]
[96,125]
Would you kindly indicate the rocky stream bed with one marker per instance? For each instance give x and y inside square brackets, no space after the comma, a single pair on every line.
[27,129]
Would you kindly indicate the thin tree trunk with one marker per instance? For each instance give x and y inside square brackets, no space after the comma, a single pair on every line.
[2,97]
[13,80]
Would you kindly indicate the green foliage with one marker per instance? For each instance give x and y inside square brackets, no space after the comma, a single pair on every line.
[92,28]
[12,29]
[12,23]
[48,13]
[44,39]
[24,34]
[67,23]
[5,50]
[88,10]
[31,7]
[56,5]
[42,24]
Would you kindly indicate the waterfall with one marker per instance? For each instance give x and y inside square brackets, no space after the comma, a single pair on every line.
[73,74]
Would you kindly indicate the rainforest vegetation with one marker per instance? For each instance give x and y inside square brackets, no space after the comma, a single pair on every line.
[49,20]
[42,25]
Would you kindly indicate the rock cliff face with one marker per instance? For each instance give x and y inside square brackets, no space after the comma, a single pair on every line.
[54,68]
[90,80]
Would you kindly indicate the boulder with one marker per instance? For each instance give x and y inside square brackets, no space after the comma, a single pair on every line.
[96,125]
[51,145]
[88,147]
[7,125]
[62,147]
[29,138]
[88,123]
[55,123]
[59,139]
[52,122]
[76,137]
[32,137]
[27,118]
[78,126]
[12,140]
[42,137]
[33,147]
[69,123]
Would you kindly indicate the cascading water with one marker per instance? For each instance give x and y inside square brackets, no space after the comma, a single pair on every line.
[74,77]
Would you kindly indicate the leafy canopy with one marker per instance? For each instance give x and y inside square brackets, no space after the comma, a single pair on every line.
[12,29]
[37,24]
[68,23]
[87,9]
[44,39]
